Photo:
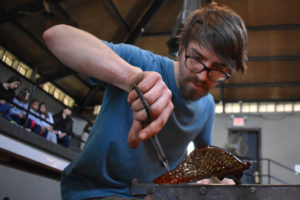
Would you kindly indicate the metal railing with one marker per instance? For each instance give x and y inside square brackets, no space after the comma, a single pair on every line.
[268,174]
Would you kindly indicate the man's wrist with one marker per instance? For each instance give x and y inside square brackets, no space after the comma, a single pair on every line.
[134,78]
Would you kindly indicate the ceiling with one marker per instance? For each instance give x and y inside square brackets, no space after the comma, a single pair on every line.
[273,48]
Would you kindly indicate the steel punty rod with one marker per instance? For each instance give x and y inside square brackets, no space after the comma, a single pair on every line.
[154,140]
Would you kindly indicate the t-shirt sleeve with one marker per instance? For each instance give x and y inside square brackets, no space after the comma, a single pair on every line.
[144,59]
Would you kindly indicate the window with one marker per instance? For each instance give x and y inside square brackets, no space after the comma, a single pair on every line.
[58,94]
[284,107]
[68,101]
[232,108]
[48,87]
[8,58]
[297,107]
[267,107]
[249,107]
[13,62]
[219,108]
[25,70]
[96,109]
[2,51]
[262,107]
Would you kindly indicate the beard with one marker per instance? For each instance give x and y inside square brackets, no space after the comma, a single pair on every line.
[188,92]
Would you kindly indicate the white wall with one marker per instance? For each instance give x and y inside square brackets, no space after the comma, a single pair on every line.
[20,185]
[280,138]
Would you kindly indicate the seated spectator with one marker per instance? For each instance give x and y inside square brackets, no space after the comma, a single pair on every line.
[47,122]
[17,113]
[33,119]
[86,131]
[7,93]
[63,124]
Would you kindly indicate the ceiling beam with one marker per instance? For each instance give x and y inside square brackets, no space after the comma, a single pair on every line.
[151,34]
[31,9]
[82,105]
[274,58]
[115,10]
[273,27]
[67,71]
[255,85]
[145,21]
[61,10]
[258,101]
[52,77]
[9,16]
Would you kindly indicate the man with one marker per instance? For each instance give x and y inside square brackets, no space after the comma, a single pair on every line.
[63,126]
[212,44]
[7,93]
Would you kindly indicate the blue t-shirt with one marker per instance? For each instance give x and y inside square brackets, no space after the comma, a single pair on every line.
[106,166]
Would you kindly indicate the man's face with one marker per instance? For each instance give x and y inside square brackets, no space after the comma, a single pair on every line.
[35,105]
[193,85]
[26,97]
[67,111]
[14,85]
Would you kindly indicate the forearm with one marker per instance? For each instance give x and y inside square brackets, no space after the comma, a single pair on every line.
[87,54]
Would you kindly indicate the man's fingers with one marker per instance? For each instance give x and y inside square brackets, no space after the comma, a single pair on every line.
[151,97]
[137,133]
[156,125]
[155,109]
[158,96]
[133,136]
[149,80]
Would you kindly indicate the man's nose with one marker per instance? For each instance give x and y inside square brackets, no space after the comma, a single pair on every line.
[203,76]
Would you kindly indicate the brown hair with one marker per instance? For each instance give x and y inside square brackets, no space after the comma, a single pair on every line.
[22,94]
[220,30]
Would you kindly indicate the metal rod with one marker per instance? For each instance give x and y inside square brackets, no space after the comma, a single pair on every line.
[154,140]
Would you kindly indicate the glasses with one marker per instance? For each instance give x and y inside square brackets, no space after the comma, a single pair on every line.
[194,64]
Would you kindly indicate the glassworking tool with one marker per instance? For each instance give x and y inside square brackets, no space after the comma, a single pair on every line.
[154,140]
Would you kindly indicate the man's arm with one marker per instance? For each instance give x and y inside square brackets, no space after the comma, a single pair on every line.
[87,54]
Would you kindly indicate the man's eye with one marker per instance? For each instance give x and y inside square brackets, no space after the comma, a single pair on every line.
[221,68]
[196,60]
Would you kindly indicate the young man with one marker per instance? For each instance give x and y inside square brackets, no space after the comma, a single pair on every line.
[63,126]
[212,44]
[7,93]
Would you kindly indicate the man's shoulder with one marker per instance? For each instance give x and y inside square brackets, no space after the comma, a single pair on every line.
[210,98]
[207,101]
[137,56]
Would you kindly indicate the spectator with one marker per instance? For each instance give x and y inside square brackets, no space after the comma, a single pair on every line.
[47,122]
[63,124]
[86,131]
[7,93]
[18,112]
[34,120]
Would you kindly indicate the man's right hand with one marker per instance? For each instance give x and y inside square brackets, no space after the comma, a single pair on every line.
[158,97]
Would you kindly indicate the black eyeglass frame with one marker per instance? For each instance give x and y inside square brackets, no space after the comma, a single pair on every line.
[205,68]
